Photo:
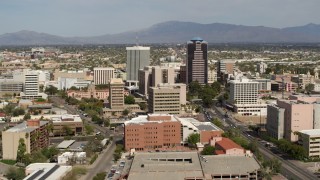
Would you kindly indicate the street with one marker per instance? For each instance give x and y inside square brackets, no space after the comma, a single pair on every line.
[289,169]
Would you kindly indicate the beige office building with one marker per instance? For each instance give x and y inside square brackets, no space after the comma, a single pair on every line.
[34,132]
[167,98]
[310,140]
[102,75]
[151,76]
[116,96]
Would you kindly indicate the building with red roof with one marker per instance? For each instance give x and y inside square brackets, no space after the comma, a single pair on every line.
[228,147]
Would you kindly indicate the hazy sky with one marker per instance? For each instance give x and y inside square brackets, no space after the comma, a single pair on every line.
[97,17]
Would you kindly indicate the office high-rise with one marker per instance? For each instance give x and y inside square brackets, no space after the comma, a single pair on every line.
[102,75]
[197,61]
[137,58]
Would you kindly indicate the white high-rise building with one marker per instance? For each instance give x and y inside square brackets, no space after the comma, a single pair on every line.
[261,67]
[244,97]
[102,75]
[137,58]
[244,91]
[31,83]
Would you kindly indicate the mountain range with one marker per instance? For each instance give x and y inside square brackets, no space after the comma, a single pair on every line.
[177,32]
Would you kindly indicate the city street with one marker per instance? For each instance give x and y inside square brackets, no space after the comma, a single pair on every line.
[289,169]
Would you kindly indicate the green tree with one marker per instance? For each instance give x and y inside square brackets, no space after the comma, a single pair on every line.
[97,119]
[217,122]
[309,87]
[51,90]
[100,176]
[73,88]
[67,130]
[193,139]
[143,106]
[208,150]
[18,111]
[27,116]
[194,88]
[216,86]
[89,129]
[129,99]
[125,112]
[15,173]
[21,151]
[106,122]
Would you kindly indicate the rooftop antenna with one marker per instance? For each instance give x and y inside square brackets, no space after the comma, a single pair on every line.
[137,40]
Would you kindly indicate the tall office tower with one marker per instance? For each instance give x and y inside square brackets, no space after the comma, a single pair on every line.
[137,58]
[116,96]
[102,75]
[197,61]
[31,83]
[151,76]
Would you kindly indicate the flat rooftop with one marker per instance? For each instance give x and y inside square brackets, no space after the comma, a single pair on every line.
[311,132]
[48,171]
[65,144]
[166,165]
[202,126]
[22,127]
[224,164]
[144,119]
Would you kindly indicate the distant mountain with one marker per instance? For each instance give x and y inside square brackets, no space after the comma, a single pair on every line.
[178,32]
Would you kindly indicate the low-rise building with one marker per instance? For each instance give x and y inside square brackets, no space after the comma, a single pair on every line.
[310,140]
[153,131]
[49,171]
[35,134]
[72,158]
[225,146]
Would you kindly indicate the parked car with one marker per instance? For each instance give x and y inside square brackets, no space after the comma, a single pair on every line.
[122,164]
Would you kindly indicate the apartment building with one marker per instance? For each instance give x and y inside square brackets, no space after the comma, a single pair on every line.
[102,75]
[225,66]
[310,140]
[197,61]
[153,131]
[80,74]
[167,98]
[116,96]
[137,58]
[151,76]
[34,132]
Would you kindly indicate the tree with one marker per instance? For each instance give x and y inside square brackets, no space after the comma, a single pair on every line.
[97,119]
[89,129]
[15,173]
[125,112]
[18,111]
[129,99]
[217,122]
[67,130]
[40,100]
[143,106]
[309,87]
[73,88]
[216,86]
[100,176]
[194,88]
[106,122]
[208,150]
[21,151]
[27,116]
[193,139]
[51,90]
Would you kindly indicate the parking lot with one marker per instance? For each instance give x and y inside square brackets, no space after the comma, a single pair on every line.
[119,169]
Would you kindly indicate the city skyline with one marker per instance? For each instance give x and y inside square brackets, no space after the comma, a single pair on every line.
[90,18]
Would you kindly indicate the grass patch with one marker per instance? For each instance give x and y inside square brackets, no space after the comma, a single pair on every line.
[8,161]
[93,159]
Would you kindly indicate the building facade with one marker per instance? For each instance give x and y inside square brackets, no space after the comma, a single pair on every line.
[35,134]
[197,61]
[137,58]
[310,140]
[102,75]
[151,76]
[275,121]
[167,98]
[116,96]
[152,132]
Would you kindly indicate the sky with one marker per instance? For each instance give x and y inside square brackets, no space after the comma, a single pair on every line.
[98,17]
